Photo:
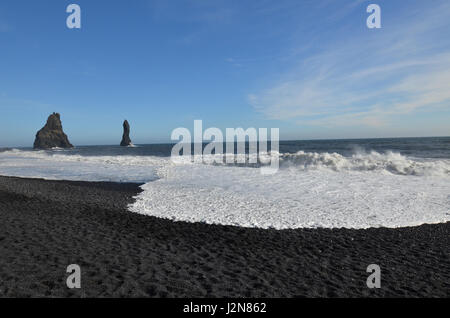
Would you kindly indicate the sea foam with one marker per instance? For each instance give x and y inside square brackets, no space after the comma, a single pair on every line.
[292,199]
[367,189]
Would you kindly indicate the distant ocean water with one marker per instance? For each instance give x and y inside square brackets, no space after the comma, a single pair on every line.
[322,183]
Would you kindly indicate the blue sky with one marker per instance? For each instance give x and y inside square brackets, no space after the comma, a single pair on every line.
[311,68]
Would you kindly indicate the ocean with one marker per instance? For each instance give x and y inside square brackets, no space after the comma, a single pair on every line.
[358,183]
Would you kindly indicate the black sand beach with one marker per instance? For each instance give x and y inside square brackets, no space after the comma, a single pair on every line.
[47,225]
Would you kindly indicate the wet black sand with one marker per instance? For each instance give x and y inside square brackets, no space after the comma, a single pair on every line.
[47,225]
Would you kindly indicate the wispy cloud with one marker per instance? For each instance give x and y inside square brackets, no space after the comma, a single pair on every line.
[365,79]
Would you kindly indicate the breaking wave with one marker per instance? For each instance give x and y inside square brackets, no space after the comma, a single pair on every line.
[392,162]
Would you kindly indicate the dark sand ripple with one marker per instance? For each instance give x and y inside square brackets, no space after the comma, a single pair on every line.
[47,225]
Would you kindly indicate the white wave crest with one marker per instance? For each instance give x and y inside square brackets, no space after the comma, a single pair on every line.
[392,162]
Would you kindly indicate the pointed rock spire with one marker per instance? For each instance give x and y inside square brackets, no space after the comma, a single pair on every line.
[126,141]
[52,135]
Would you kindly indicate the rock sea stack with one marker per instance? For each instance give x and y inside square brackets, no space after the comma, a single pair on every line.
[126,141]
[52,135]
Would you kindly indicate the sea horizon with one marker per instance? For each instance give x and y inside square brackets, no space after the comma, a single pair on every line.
[281,141]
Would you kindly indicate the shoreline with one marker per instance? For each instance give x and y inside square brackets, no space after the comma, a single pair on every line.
[46,225]
[139,184]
